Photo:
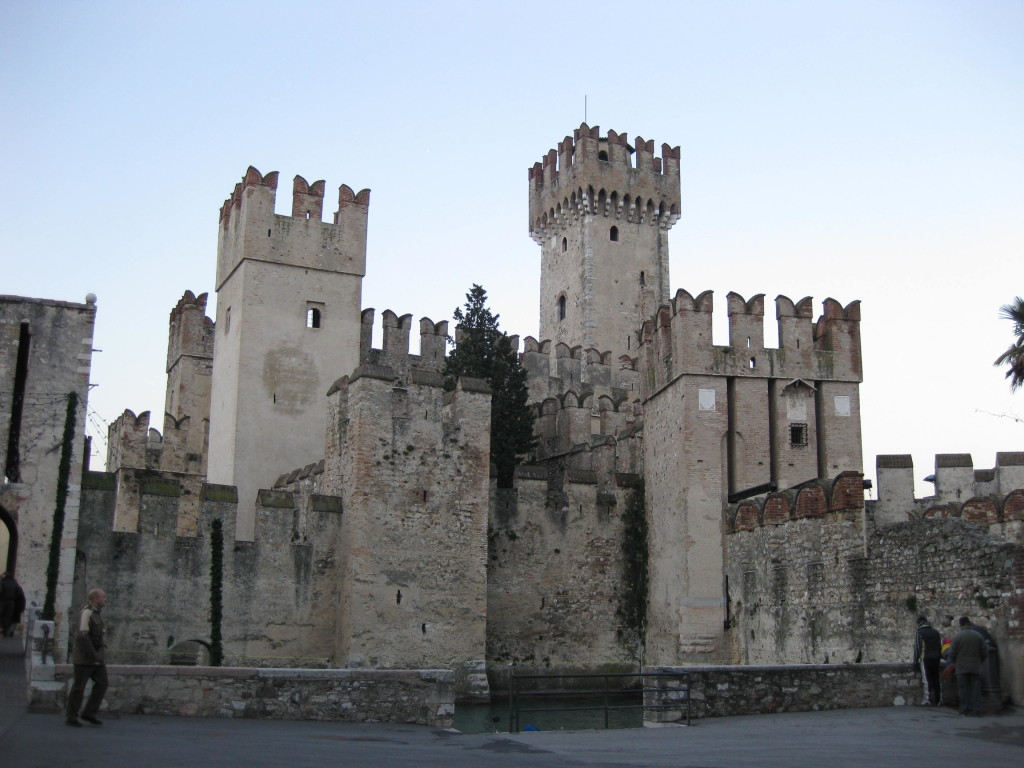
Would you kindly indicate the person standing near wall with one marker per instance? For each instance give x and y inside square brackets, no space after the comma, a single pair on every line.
[12,604]
[88,657]
[927,654]
[968,652]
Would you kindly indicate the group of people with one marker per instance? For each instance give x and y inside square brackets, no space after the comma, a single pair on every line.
[965,656]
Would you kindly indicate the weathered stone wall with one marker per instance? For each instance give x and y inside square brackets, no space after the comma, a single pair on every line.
[45,356]
[280,592]
[424,697]
[723,691]
[411,463]
[812,577]
[555,571]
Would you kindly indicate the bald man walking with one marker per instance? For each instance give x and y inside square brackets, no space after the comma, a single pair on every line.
[88,657]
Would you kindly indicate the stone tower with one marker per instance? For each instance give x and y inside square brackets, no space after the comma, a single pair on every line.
[601,209]
[726,423]
[288,321]
[189,370]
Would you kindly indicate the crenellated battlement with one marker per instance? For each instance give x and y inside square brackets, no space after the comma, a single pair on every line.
[573,368]
[960,489]
[249,228]
[678,340]
[133,443]
[190,330]
[395,347]
[591,174]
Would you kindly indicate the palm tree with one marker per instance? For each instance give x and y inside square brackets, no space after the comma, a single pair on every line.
[1014,356]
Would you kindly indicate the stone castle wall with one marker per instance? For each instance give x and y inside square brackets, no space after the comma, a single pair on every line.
[45,360]
[813,577]
[279,591]
[424,697]
[555,570]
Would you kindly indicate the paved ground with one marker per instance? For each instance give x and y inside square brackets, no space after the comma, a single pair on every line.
[896,737]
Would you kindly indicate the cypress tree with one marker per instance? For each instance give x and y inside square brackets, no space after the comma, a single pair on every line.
[483,351]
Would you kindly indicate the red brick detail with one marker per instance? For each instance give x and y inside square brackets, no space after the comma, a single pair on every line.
[810,502]
[980,511]
[746,517]
[937,512]
[1013,505]
[847,492]
[776,510]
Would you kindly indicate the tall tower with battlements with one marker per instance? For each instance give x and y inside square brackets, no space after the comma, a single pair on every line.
[601,209]
[288,322]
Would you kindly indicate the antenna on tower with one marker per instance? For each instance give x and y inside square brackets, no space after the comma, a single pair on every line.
[584,107]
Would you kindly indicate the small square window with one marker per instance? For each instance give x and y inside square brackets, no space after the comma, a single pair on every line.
[797,435]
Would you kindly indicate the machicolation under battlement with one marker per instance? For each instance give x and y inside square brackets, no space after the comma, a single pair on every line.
[594,175]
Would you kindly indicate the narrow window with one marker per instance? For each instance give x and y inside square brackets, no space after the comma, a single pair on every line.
[227,319]
[561,307]
[312,317]
[748,342]
[613,234]
[565,245]
[643,278]
[753,363]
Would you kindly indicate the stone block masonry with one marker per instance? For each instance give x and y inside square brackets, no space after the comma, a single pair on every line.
[423,697]
[723,691]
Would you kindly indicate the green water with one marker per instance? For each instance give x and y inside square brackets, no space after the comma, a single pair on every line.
[493,717]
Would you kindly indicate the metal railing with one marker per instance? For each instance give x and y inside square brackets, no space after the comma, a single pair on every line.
[678,693]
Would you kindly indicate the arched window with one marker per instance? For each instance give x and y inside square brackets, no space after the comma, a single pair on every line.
[561,307]
[602,155]
[613,234]
[565,245]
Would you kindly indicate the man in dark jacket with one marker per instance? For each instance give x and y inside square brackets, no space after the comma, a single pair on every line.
[12,603]
[968,652]
[927,653]
[88,657]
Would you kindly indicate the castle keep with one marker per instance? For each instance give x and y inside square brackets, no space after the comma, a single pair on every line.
[361,525]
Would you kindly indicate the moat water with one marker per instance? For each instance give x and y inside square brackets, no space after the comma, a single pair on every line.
[493,717]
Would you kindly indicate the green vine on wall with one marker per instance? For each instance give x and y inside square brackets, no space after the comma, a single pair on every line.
[632,610]
[67,448]
[216,592]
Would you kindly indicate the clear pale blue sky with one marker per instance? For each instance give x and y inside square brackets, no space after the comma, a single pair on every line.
[859,150]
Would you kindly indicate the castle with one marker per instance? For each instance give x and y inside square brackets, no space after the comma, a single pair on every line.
[361,525]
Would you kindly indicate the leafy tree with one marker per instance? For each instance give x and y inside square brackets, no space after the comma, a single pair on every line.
[1013,357]
[483,351]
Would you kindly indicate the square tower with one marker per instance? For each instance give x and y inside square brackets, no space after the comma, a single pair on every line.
[288,319]
[601,217]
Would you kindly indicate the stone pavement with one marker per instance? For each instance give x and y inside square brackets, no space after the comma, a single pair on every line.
[896,737]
